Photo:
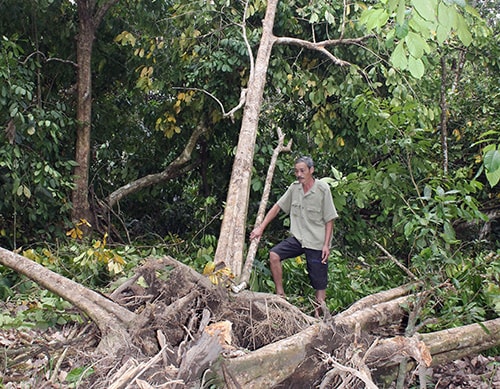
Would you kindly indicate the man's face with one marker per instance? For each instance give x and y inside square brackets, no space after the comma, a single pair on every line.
[303,173]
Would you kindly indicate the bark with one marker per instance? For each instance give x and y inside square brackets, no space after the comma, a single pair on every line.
[455,343]
[443,102]
[85,41]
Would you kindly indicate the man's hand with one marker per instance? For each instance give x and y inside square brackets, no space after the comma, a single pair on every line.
[325,253]
[256,233]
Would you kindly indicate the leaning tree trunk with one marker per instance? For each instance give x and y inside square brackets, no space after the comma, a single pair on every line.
[252,249]
[232,233]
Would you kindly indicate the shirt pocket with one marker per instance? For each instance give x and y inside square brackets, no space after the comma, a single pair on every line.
[314,214]
[296,209]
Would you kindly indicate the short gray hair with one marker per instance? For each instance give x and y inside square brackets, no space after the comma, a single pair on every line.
[305,159]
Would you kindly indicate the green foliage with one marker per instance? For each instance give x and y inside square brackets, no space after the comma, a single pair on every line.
[469,295]
[411,29]
[34,175]
[427,223]
[491,156]
[33,307]
[78,374]
[92,264]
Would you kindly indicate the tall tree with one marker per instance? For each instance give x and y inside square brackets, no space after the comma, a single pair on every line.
[90,16]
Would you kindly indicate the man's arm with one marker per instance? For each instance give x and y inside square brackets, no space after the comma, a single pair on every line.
[271,214]
[326,244]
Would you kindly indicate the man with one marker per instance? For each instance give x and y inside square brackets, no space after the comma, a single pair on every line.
[309,203]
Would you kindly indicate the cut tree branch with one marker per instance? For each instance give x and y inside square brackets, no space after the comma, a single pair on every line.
[247,269]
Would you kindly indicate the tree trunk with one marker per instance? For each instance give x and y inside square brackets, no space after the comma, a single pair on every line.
[443,103]
[89,18]
[85,41]
[232,234]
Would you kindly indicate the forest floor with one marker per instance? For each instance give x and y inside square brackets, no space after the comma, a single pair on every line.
[60,358]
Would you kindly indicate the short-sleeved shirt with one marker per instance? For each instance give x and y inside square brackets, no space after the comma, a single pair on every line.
[309,212]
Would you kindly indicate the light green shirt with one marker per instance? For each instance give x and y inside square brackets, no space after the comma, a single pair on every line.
[309,212]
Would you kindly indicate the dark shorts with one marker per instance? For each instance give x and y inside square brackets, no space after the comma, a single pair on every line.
[318,272]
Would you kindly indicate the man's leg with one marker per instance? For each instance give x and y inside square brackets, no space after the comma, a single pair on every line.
[320,300]
[318,275]
[277,272]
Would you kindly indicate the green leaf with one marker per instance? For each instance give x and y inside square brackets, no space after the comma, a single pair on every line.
[374,18]
[446,15]
[425,8]
[329,18]
[399,57]
[392,4]
[400,16]
[314,18]
[493,178]
[416,67]
[492,160]
[77,374]
[416,45]
[401,30]
[463,30]
[442,33]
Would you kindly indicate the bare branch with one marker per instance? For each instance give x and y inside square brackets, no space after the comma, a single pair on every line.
[241,103]
[322,46]
[399,264]
[252,250]
[249,48]
[37,52]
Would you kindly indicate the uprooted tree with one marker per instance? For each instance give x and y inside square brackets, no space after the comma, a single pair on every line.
[177,322]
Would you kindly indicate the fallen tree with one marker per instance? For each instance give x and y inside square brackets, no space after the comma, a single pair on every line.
[175,321]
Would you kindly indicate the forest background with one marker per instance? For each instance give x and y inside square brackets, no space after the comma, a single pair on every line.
[404,129]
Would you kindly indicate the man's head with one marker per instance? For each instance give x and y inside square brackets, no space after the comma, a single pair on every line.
[305,159]
[304,169]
